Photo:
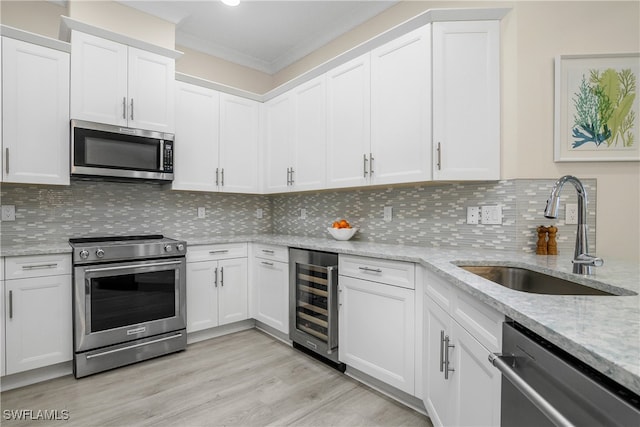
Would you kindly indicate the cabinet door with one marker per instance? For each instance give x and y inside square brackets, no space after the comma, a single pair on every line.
[310,142]
[400,109]
[376,331]
[202,296]
[35,113]
[239,133]
[196,142]
[271,293]
[466,100]
[151,79]
[477,383]
[98,79]
[348,123]
[438,391]
[278,142]
[38,322]
[232,290]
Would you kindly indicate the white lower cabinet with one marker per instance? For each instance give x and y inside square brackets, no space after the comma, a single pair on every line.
[38,324]
[216,287]
[461,388]
[376,326]
[271,286]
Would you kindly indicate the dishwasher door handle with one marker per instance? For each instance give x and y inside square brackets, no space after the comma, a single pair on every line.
[506,368]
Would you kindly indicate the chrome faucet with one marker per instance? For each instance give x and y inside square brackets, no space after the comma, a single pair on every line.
[582,261]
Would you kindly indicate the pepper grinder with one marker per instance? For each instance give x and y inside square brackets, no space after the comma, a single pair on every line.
[552,245]
[541,246]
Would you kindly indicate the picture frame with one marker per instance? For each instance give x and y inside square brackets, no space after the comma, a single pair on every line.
[597,108]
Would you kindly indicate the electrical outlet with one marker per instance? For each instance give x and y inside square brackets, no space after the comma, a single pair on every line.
[571,213]
[8,213]
[492,214]
[259,213]
[303,213]
[201,212]
[473,214]
[388,213]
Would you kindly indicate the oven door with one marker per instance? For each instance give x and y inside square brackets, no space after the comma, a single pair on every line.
[125,301]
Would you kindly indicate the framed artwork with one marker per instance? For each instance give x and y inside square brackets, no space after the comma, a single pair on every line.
[597,114]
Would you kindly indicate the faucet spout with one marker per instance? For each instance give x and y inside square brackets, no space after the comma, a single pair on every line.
[582,261]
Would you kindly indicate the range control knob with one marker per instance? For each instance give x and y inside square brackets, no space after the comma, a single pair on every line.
[180,247]
[100,253]
[168,248]
[84,254]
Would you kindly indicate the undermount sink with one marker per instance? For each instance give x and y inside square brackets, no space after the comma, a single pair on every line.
[524,280]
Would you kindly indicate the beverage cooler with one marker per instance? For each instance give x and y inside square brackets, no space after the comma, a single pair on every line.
[313,314]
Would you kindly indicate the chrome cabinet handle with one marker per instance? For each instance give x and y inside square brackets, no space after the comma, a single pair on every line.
[447,346]
[10,304]
[131,108]
[364,165]
[220,251]
[500,362]
[221,276]
[441,351]
[6,160]
[39,266]
[292,171]
[373,270]
[217,174]
[215,277]
[124,107]
[222,177]
[371,164]
[270,264]
[439,150]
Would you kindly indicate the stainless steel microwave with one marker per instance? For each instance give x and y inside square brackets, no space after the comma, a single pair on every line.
[119,152]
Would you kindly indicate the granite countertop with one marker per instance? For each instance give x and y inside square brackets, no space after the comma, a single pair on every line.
[602,331]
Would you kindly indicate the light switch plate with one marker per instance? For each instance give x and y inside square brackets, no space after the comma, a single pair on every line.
[492,215]
[201,212]
[8,213]
[259,213]
[473,214]
[388,213]
[303,213]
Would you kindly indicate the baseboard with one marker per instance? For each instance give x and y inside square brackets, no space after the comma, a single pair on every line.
[404,398]
[273,332]
[22,379]
[207,334]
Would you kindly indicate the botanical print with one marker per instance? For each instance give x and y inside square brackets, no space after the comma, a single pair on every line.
[604,112]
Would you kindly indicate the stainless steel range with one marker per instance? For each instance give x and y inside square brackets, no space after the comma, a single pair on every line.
[129,300]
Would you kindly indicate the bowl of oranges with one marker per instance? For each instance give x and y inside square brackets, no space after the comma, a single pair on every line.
[342,230]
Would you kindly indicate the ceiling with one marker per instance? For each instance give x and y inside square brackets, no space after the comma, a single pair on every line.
[264,35]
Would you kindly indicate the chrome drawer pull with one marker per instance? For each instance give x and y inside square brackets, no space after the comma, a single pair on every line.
[270,264]
[221,251]
[268,251]
[373,270]
[39,266]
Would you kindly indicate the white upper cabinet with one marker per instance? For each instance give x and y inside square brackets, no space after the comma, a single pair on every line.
[35,113]
[348,123]
[196,139]
[466,100]
[278,140]
[239,139]
[121,85]
[309,148]
[400,110]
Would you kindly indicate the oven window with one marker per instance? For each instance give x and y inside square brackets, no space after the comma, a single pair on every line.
[131,299]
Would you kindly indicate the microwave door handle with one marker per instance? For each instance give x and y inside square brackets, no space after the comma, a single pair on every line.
[161,165]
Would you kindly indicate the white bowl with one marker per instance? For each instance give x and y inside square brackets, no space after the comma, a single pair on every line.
[342,233]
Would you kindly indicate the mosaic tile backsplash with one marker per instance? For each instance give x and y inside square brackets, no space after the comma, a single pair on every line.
[427,215]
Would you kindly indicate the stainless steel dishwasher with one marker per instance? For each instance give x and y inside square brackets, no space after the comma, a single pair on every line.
[543,385]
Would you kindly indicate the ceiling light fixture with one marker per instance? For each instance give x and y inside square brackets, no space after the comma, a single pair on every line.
[231,2]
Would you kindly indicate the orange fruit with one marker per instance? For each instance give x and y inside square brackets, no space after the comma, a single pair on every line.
[336,224]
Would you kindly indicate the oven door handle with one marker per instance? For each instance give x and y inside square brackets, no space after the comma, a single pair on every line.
[128,267]
[506,368]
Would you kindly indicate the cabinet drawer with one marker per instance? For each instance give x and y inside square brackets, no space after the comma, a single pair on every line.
[482,321]
[21,267]
[216,252]
[397,273]
[272,252]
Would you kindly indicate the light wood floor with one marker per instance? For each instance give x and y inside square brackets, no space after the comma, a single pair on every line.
[242,379]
